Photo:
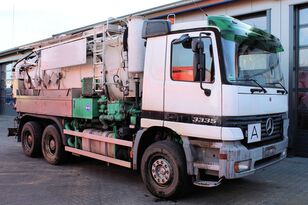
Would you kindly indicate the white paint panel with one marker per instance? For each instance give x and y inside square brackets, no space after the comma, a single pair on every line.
[229,100]
[69,54]
[146,123]
[193,130]
[135,44]
[238,101]
[153,81]
[187,97]
[231,134]
[262,104]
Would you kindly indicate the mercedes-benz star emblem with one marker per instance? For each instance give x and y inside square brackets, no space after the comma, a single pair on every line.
[269,126]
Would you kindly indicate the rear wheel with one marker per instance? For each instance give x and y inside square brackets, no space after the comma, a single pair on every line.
[31,136]
[52,146]
[163,170]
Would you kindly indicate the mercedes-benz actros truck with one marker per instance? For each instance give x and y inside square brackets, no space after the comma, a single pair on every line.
[184,103]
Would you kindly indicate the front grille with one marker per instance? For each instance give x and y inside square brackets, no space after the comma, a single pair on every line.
[243,122]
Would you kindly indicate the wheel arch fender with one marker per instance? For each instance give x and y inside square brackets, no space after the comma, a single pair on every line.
[142,141]
[136,147]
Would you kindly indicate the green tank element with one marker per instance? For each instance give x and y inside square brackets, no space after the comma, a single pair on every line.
[134,113]
[102,102]
[85,108]
[73,141]
[115,112]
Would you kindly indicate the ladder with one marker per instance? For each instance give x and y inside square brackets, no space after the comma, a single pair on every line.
[98,60]
[99,40]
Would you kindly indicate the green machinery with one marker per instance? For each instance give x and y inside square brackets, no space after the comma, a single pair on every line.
[94,111]
[85,108]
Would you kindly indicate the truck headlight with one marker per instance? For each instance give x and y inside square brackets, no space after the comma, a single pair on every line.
[242,166]
[284,153]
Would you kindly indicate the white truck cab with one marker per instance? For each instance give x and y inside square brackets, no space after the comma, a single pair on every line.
[233,121]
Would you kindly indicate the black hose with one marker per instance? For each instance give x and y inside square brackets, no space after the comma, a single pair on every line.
[22,60]
[137,86]
[125,38]
[106,88]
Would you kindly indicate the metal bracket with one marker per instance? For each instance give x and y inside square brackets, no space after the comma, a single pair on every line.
[208,183]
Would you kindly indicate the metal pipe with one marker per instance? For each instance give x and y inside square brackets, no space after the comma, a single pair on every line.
[69,138]
[137,89]
[69,142]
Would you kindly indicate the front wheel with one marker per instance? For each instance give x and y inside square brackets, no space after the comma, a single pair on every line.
[52,146]
[163,170]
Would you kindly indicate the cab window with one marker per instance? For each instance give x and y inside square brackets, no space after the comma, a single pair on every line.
[182,61]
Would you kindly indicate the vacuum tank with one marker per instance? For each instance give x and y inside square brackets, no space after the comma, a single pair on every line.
[111,54]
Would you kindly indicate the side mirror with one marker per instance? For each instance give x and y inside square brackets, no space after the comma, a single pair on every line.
[182,39]
[185,40]
[197,47]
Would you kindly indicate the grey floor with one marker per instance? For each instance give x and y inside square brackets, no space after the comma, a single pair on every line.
[26,181]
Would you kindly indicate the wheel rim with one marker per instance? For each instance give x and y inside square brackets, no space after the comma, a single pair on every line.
[161,171]
[50,145]
[28,140]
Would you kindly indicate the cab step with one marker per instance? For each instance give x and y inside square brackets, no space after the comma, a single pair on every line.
[203,183]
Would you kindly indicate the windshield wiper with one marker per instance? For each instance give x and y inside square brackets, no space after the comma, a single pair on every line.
[284,91]
[252,90]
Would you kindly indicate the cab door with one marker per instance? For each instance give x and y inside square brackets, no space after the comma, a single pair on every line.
[187,110]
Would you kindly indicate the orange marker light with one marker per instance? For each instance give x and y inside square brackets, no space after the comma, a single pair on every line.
[131,154]
[223,156]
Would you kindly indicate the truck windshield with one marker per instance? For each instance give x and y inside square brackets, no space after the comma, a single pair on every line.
[244,62]
[250,54]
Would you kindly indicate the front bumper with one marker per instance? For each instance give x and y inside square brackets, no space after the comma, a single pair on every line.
[259,157]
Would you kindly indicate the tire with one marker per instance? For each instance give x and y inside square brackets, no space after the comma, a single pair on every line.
[31,137]
[52,146]
[163,170]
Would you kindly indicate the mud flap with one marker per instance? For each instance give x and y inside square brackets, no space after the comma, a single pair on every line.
[12,132]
